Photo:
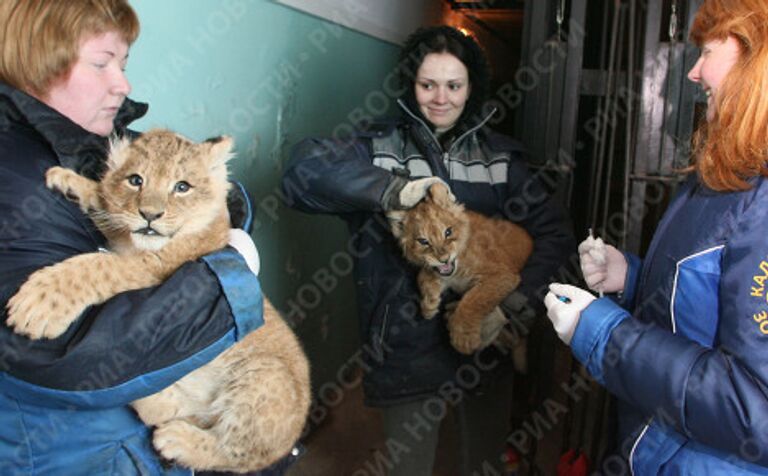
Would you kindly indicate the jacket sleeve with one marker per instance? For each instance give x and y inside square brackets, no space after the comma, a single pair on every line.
[529,205]
[634,265]
[327,176]
[134,344]
[716,396]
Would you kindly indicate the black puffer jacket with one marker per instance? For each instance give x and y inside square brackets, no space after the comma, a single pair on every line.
[64,402]
[410,357]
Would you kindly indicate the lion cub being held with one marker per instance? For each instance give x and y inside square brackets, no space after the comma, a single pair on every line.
[161,203]
[474,255]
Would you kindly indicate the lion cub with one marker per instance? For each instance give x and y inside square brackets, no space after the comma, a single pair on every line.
[474,255]
[161,203]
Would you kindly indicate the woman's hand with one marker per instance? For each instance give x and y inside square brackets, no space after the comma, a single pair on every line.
[415,190]
[242,242]
[603,266]
[564,305]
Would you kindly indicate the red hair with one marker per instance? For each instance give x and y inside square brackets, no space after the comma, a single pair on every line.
[733,146]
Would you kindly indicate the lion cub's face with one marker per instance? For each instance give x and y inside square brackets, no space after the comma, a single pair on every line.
[162,185]
[434,232]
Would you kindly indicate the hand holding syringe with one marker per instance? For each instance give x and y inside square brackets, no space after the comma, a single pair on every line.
[603,266]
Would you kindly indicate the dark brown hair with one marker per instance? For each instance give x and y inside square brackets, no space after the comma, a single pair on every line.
[445,39]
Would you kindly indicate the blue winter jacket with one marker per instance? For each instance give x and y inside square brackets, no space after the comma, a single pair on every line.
[64,402]
[690,364]
[406,356]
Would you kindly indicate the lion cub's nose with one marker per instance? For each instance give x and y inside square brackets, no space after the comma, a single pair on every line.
[150,215]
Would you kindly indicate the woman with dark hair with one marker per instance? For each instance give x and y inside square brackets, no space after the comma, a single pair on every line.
[688,364]
[64,402]
[444,39]
[414,373]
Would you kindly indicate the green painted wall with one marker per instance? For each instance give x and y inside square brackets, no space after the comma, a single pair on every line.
[267,75]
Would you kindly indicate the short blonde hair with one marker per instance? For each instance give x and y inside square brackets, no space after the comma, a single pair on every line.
[40,39]
[733,146]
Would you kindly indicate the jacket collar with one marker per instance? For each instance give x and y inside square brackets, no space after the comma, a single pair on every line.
[426,135]
[75,147]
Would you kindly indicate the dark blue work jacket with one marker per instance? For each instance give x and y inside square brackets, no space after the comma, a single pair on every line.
[64,402]
[409,357]
[690,365]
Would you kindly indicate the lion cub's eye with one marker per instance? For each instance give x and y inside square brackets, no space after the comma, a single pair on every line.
[182,187]
[448,232]
[423,241]
[135,180]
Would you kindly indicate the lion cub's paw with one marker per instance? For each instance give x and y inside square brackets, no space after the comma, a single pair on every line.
[41,309]
[465,336]
[429,308]
[183,443]
[158,408]
[72,186]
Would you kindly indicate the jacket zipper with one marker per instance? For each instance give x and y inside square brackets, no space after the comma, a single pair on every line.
[446,154]
[478,126]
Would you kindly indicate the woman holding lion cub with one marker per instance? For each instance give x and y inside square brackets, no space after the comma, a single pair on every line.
[64,401]
[441,136]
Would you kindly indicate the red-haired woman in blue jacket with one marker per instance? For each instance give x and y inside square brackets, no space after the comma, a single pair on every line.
[689,363]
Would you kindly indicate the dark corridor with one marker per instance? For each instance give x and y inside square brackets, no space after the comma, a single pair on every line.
[596,89]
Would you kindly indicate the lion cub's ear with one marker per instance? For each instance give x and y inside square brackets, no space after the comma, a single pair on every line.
[441,194]
[118,152]
[219,152]
[395,219]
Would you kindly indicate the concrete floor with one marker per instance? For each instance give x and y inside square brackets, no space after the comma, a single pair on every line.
[347,442]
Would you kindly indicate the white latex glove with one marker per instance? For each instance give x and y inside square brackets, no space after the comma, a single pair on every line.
[565,315]
[415,190]
[603,266]
[242,242]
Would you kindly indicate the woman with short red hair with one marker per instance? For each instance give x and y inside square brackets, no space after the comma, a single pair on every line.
[64,401]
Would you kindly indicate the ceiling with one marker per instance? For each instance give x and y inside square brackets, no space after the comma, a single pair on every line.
[487,4]
[501,18]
